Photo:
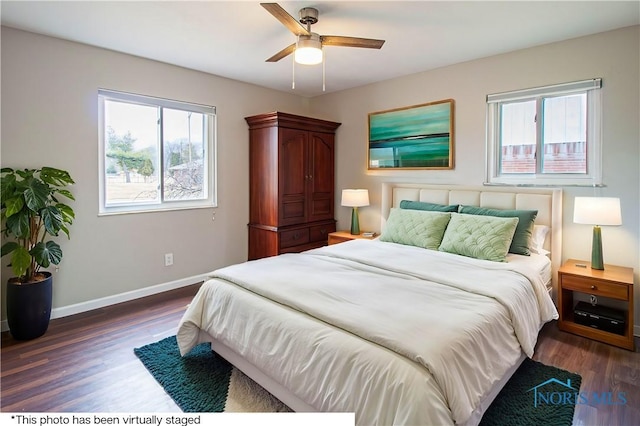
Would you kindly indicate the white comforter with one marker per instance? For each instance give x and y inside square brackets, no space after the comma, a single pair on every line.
[415,336]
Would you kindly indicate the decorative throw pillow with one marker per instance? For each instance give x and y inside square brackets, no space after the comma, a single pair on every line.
[415,228]
[423,205]
[482,237]
[522,237]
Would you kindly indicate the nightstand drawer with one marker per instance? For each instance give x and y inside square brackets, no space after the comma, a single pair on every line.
[594,286]
[295,237]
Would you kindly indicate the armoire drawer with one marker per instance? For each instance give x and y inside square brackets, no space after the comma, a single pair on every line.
[321,232]
[294,237]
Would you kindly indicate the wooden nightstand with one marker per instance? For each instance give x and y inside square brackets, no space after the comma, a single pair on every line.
[614,282]
[342,236]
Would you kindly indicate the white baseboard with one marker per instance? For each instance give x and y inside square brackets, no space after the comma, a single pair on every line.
[89,305]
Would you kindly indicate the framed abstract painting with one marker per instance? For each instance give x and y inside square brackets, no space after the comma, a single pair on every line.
[415,137]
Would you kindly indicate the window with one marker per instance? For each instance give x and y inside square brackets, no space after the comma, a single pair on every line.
[155,154]
[546,135]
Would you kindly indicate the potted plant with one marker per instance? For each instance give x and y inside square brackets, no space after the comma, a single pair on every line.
[31,213]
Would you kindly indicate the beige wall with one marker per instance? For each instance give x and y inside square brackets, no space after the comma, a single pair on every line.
[614,56]
[49,117]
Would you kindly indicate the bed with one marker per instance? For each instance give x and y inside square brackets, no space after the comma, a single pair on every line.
[395,332]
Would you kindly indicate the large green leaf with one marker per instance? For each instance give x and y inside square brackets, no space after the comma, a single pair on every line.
[64,229]
[66,193]
[46,253]
[55,177]
[52,219]
[67,213]
[18,224]
[20,261]
[9,247]
[14,205]
[36,194]
[7,185]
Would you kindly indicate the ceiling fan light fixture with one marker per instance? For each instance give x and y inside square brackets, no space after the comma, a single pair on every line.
[308,50]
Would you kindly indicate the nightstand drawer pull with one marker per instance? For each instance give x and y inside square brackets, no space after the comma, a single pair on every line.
[593,287]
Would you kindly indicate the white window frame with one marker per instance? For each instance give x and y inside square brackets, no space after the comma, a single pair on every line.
[593,176]
[210,189]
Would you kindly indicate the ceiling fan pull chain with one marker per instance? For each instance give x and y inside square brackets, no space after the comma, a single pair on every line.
[323,71]
[293,74]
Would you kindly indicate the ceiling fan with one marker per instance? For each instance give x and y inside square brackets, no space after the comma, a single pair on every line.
[308,49]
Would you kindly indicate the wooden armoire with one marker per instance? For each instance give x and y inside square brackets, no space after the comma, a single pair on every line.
[291,183]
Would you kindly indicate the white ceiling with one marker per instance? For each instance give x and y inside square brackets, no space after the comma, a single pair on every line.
[233,38]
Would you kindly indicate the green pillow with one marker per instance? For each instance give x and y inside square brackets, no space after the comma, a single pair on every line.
[522,237]
[415,228]
[482,237]
[422,205]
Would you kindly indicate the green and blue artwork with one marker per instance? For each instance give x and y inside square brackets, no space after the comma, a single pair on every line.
[416,137]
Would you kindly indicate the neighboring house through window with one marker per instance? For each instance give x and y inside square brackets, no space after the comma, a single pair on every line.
[155,154]
[546,135]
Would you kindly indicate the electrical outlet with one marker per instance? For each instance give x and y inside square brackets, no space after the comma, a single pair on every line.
[168,259]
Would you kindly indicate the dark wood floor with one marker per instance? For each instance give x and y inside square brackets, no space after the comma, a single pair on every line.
[603,368]
[85,363]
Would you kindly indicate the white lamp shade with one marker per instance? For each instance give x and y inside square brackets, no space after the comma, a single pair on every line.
[355,197]
[597,211]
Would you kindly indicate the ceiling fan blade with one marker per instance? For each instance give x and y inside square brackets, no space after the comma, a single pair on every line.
[369,43]
[289,21]
[281,54]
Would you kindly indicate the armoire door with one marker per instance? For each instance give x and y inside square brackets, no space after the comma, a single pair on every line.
[292,176]
[320,182]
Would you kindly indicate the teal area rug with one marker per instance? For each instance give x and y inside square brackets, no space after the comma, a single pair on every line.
[202,381]
[536,394]
[197,382]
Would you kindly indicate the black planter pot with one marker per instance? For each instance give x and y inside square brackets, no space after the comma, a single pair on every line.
[29,308]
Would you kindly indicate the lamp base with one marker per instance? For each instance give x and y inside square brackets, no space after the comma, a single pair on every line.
[355,223]
[596,249]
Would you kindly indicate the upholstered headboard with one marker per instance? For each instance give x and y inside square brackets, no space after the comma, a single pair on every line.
[547,201]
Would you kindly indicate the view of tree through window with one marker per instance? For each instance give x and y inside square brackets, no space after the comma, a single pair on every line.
[132,153]
[183,171]
[154,154]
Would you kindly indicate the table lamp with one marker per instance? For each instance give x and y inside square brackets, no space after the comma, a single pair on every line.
[597,211]
[355,198]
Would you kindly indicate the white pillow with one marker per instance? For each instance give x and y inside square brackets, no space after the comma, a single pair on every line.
[538,238]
